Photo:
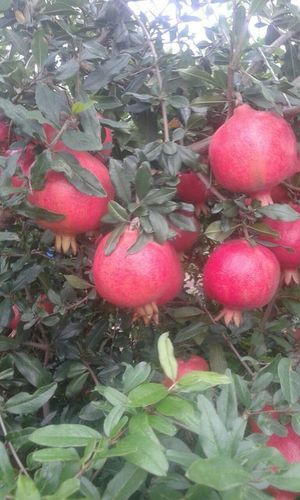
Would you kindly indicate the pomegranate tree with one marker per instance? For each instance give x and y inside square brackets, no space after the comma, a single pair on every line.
[288,249]
[82,212]
[252,152]
[184,366]
[184,239]
[240,276]
[138,281]
[192,190]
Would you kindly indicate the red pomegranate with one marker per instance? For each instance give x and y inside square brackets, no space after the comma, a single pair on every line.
[289,447]
[14,322]
[44,303]
[81,212]
[4,135]
[141,280]
[184,366]
[184,239]
[266,409]
[240,276]
[192,190]
[252,152]
[280,194]
[288,251]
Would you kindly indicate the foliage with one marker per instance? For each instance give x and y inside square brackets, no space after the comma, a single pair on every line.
[83,411]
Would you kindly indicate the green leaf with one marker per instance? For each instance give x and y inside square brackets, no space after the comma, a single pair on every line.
[76,385]
[213,434]
[112,419]
[143,180]
[182,221]
[279,211]
[52,103]
[261,228]
[64,435]
[47,455]
[6,314]
[112,395]
[24,403]
[162,425]
[160,226]
[135,375]
[39,47]
[215,232]
[38,171]
[181,410]
[8,236]
[147,394]
[256,7]
[77,282]
[159,196]
[220,473]
[166,356]
[82,179]
[125,483]
[178,101]
[78,107]
[289,480]
[5,4]
[141,241]
[200,381]
[196,76]
[26,489]
[118,212]
[32,369]
[66,489]
[7,473]
[113,239]
[26,276]
[120,180]
[289,381]
[106,72]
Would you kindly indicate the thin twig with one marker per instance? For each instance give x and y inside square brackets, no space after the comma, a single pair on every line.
[207,183]
[12,449]
[252,373]
[92,373]
[157,71]
[275,77]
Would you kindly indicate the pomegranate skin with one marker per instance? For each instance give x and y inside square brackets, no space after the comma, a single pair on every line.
[289,236]
[4,135]
[82,212]
[280,194]
[191,190]
[184,366]
[253,151]
[185,240]
[134,280]
[241,276]
[14,322]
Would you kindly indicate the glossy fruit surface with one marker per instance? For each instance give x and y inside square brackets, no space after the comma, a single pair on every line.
[184,366]
[240,276]
[136,280]
[81,211]
[288,250]
[252,152]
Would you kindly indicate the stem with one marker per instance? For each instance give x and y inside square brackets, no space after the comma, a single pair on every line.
[12,449]
[206,181]
[60,133]
[157,71]
[237,354]
[200,146]
[92,373]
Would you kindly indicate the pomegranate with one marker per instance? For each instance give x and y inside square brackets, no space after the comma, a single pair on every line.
[289,447]
[266,409]
[81,212]
[240,276]
[192,190]
[280,194]
[140,280]
[184,366]
[252,152]
[184,239]
[4,135]
[14,322]
[288,251]
[44,303]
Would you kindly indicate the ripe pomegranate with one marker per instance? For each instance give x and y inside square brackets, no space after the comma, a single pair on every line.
[289,447]
[184,366]
[4,135]
[44,303]
[82,212]
[14,322]
[289,236]
[240,276]
[252,152]
[280,194]
[140,280]
[267,409]
[184,239]
[192,190]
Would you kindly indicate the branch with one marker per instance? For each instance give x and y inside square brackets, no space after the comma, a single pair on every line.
[12,449]
[206,181]
[157,70]
[291,112]
[200,146]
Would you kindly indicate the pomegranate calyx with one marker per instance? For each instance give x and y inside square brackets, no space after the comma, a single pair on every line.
[201,208]
[264,197]
[291,276]
[148,313]
[230,316]
[65,242]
